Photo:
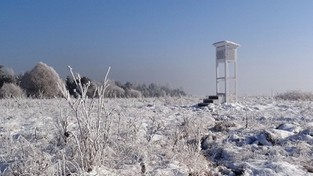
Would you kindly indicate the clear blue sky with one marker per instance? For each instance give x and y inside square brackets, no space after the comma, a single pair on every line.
[163,41]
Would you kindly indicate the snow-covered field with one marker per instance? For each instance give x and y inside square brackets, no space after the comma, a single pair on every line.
[164,136]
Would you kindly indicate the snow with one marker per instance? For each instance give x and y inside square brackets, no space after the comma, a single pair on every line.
[281,168]
[169,136]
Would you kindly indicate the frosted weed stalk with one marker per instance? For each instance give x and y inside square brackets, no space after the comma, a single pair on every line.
[21,157]
[186,145]
[93,122]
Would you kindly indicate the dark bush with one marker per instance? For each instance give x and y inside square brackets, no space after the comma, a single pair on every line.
[75,91]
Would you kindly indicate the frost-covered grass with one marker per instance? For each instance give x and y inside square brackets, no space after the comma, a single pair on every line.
[164,136]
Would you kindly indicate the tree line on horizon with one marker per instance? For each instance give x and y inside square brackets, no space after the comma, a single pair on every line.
[42,82]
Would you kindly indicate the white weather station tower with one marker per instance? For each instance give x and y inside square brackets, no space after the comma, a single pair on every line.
[226,73]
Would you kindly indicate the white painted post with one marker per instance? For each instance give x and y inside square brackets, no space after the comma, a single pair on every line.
[226,82]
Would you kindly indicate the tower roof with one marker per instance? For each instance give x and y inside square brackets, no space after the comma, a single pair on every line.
[226,43]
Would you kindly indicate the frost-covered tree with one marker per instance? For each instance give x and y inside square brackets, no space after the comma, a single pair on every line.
[156,91]
[41,82]
[153,90]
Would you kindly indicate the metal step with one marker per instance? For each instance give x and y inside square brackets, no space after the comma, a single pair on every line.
[213,97]
[203,104]
[207,101]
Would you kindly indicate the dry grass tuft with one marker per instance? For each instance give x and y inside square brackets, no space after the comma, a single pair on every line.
[295,96]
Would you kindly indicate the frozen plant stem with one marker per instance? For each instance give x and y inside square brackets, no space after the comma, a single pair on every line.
[93,124]
[246,119]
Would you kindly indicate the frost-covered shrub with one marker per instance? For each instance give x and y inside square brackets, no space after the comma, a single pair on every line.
[224,126]
[94,129]
[114,91]
[41,82]
[295,95]
[133,93]
[10,90]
